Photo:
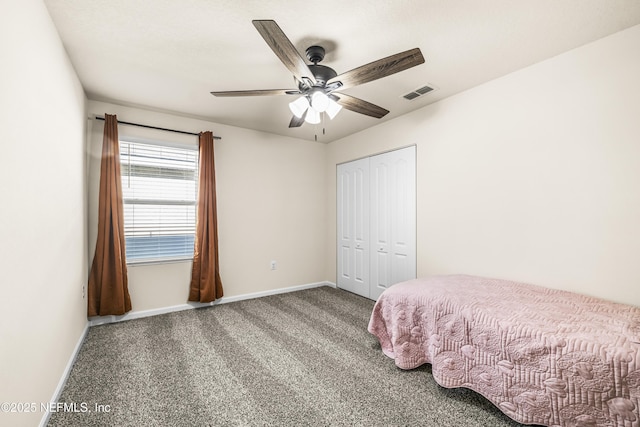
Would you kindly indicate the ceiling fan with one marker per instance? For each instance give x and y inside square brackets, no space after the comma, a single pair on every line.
[317,84]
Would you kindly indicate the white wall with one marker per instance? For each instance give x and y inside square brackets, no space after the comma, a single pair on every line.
[43,249]
[534,176]
[271,192]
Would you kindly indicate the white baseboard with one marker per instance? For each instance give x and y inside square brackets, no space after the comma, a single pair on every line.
[253,295]
[65,374]
[101,320]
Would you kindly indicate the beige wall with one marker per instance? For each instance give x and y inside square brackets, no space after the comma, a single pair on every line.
[271,192]
[532,177]
[43,241]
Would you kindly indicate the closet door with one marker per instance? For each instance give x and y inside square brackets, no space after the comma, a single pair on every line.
[393,219]
[353,226]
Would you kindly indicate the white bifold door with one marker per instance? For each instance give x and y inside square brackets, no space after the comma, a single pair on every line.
[353,226]
[376,222]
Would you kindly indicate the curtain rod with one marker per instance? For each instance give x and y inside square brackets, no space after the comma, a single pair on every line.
[158,128]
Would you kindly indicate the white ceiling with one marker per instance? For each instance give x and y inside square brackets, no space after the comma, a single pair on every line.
[168,55]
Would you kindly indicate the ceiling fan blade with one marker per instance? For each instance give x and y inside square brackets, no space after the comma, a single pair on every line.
[381,68]
[266,92]
[360,106]
[297,122]
[284,49]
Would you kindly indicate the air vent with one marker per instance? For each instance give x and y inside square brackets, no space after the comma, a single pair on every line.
[418,92]
[411,95]
[424,89]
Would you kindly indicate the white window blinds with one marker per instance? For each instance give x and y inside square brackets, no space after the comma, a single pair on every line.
[159,189]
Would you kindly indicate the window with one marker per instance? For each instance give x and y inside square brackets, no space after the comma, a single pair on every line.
[159,190]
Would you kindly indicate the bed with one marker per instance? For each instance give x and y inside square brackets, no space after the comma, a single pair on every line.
[543,356]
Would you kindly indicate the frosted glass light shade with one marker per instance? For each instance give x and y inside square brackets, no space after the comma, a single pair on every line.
[299,106]
[312,117]
[333,108]
[319,101]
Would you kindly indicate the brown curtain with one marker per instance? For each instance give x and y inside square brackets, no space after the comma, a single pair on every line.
[206,284]
[108,292]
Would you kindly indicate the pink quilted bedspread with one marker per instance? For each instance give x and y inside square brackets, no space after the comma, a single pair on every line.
[542,356]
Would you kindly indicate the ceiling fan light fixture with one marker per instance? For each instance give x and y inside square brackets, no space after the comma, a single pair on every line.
[333,109]
[320,101]
[313,117]
[299,106]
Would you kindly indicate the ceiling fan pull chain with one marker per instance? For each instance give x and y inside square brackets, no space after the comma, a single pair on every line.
[323,118]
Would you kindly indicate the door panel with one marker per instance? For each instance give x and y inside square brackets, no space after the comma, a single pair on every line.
[382,270]
[353,226]
[393,216]
[360,266]
[344,262]
[400,268]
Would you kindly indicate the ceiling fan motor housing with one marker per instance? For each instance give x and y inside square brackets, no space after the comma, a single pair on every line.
[322,74]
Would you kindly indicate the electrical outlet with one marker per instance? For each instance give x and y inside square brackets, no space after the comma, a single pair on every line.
[273,265]
[83,291]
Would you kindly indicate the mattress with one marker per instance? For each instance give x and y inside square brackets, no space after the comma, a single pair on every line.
[542,356]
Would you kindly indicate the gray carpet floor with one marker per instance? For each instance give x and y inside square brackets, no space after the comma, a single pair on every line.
[298,359]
